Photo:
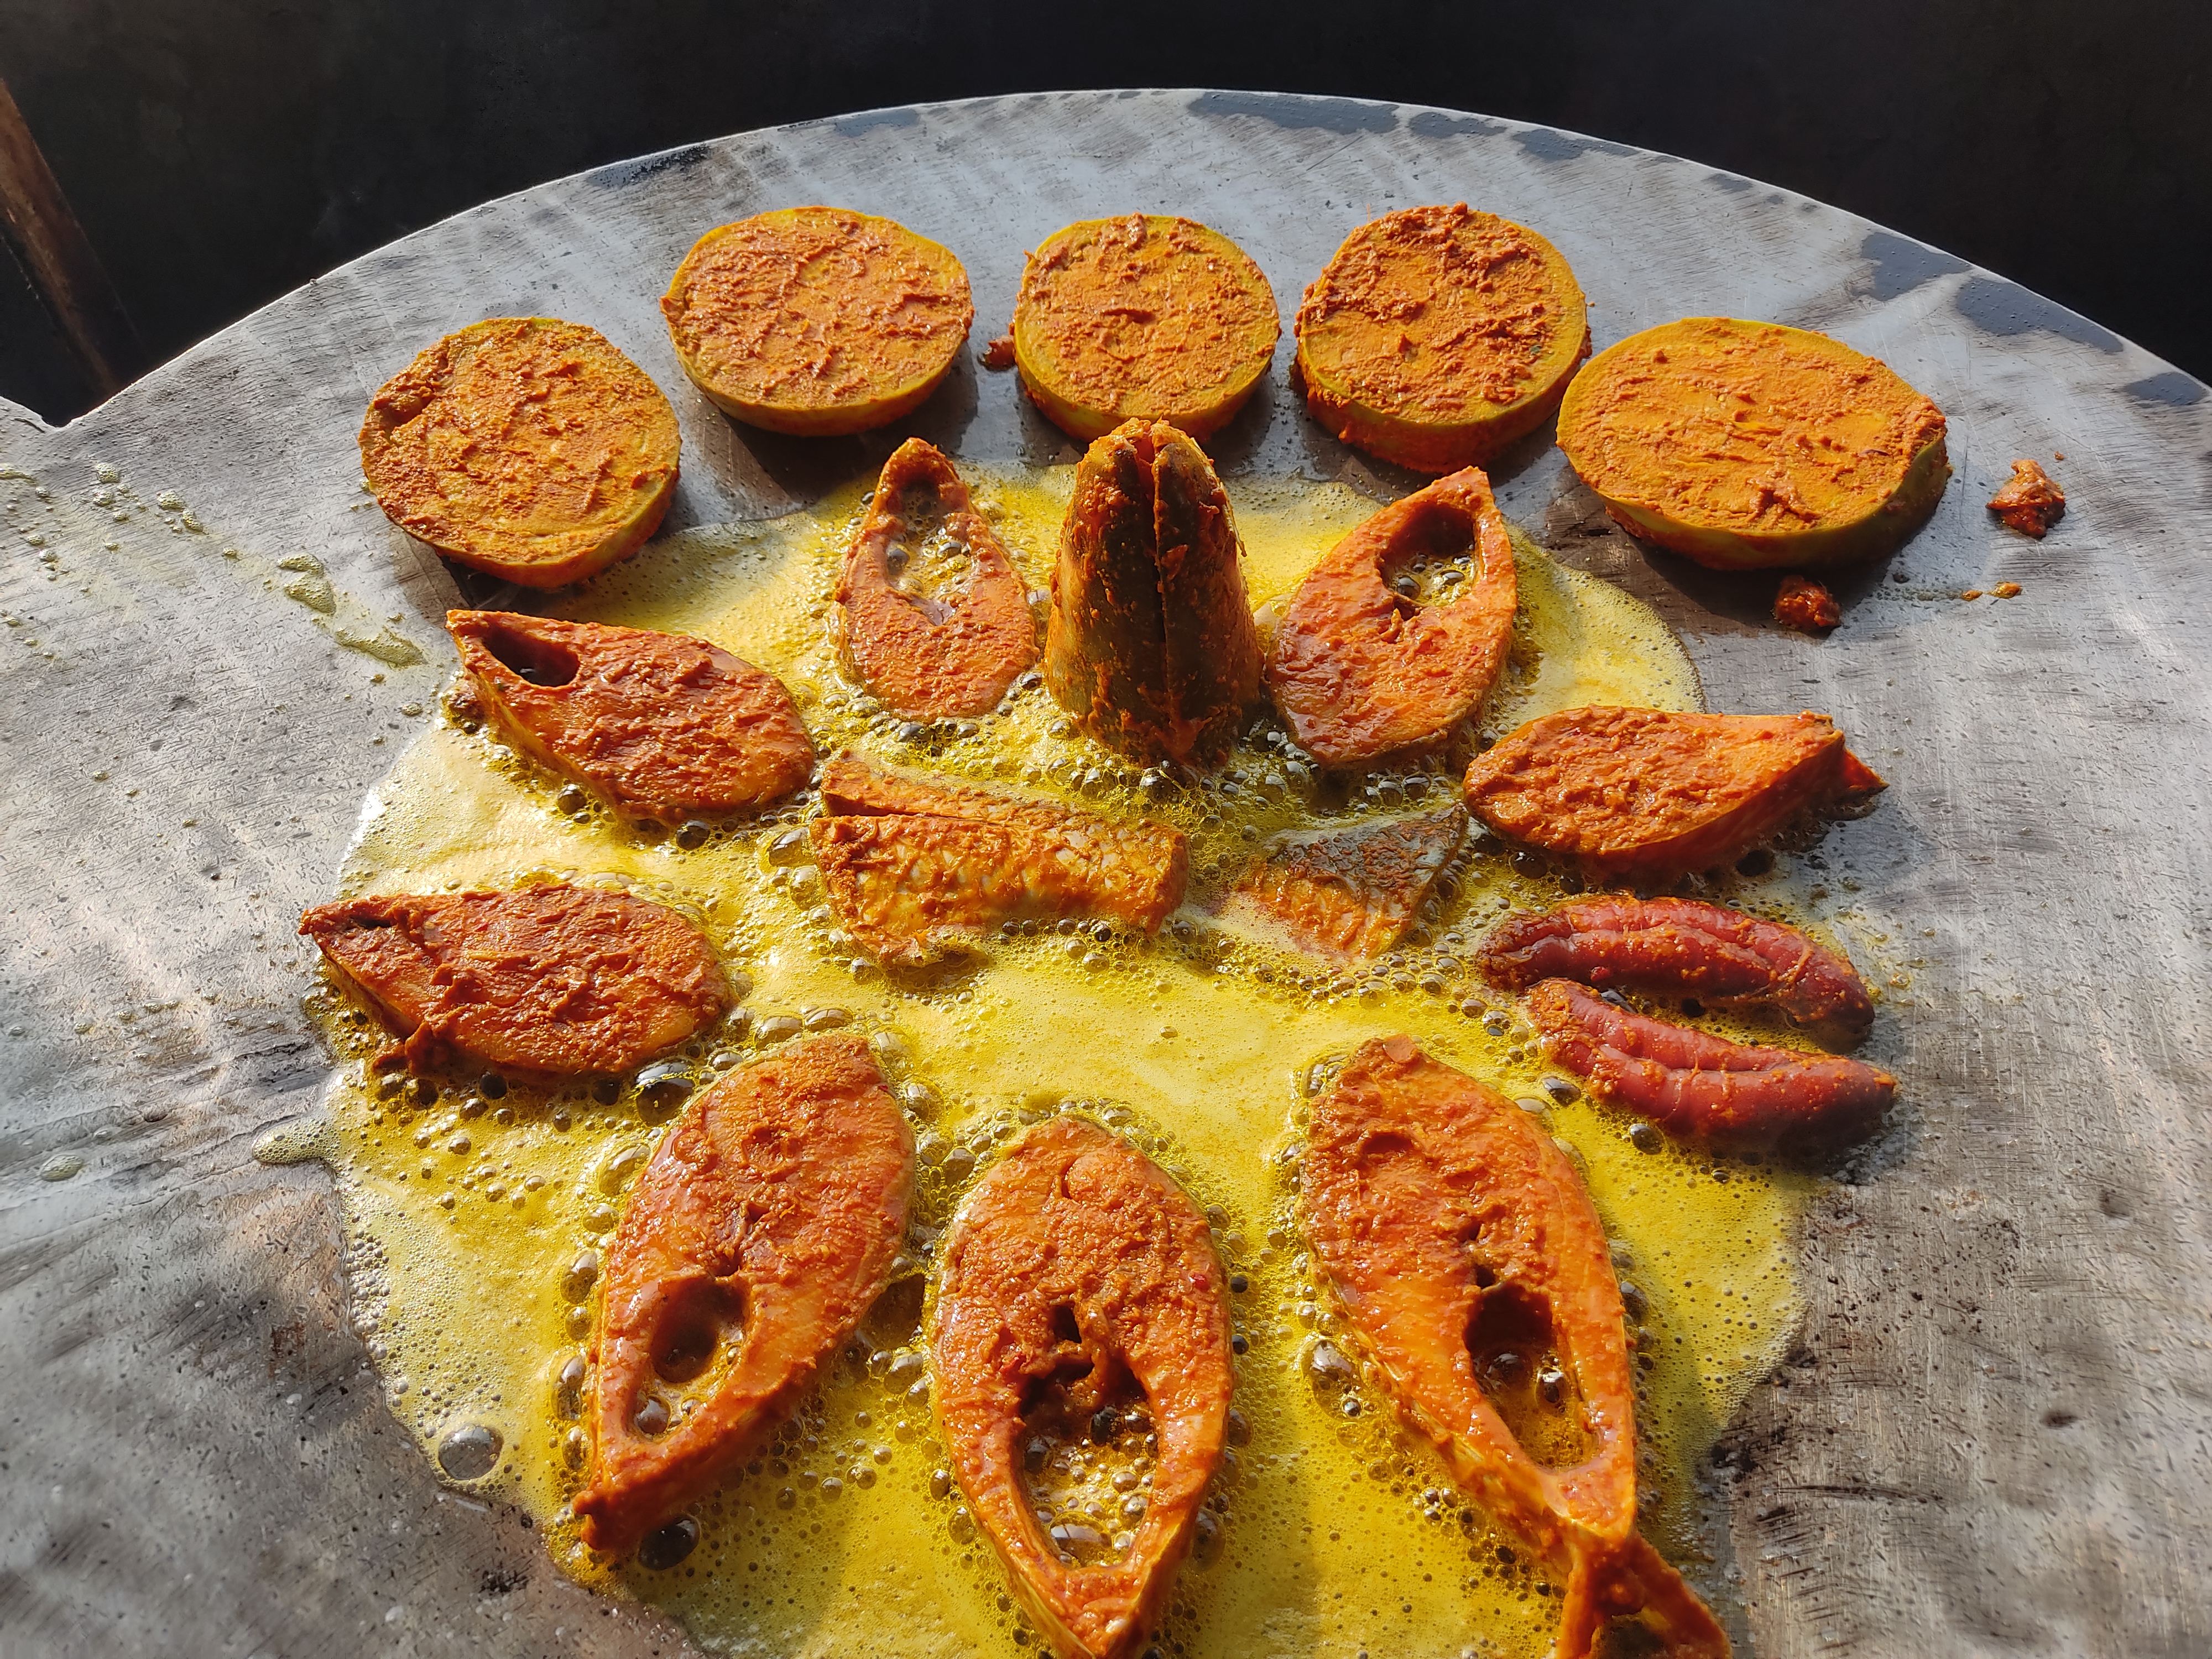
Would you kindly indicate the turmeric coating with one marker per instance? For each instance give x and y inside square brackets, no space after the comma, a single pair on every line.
[523,446]
[549,979]
[1151,644]
[1681,948]
[932,617]
[1743,444]
[2029,501]
[1359,666]
[916,868]
[817,320]
[1350,895]
[1642,796]
[1804,605]
[762,1229]
[1436,336]
[1700,1087]
[1078,1282]
[1142,318]
[1468,1259]
[662,724]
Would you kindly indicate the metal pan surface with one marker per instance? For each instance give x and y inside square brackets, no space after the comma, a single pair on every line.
[1993,1434]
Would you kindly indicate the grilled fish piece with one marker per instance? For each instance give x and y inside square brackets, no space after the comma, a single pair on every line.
[1645,795]
[919,868]
[1075,1274]
[758,1235]
[1681,948]
[1359,668]
[555,978]
[1469,1261]
[1151,643]
[1350,894]
[933,618]
[1698,1086]
[662,724]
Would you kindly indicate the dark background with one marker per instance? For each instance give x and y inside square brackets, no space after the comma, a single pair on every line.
[220,153]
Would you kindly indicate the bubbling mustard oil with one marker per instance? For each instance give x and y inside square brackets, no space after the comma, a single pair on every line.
[477,1208]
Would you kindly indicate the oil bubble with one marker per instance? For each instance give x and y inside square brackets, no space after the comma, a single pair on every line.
[469,1452]
[668,1545]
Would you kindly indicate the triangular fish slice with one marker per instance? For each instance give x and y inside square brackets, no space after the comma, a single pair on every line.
[1075,1263]
[1645,795]
[1349,894]
[951,651]
[551,978]
[662,724]
[1467,1257]
[1360,670]
[758,1235]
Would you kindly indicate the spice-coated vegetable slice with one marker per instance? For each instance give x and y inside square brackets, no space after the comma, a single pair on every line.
[551,979]
[1646,795]
[818,320]
[525,446]
[1350,894]
[1361,668]
[1436,336]
[932,617]
[765,1225]
[1075,1277]
[662,724]
[1744,444]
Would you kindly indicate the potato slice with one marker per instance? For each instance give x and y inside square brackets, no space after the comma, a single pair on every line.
[817,320]
[523,446]
[1748,445]
[1436,336]
[1142,318]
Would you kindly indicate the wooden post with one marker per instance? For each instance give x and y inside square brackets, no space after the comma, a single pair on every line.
[52,248]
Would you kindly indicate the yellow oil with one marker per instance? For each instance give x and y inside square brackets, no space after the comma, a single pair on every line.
[470,1213]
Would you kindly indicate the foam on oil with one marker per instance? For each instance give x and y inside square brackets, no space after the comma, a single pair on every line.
[476,1207]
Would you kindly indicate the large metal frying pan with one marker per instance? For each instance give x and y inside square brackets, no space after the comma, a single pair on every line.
[1994,1434]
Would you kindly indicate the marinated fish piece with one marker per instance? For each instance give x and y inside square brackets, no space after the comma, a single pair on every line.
[525,446]
[1645,795]
[552,978]
[1804,605]
[1350,894]
[1468,1259]
[1700,1087]
[1151,644]
[919,868]
[2029,501]
[1360,666]
[1681,948]
[761,1231]
[932,617]
[1075,1277]
[663,724]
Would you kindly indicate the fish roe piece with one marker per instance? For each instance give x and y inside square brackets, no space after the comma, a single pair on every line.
[663,724]
[1436,336]
[816,320]
[1680,947]
[917,868]
[1142,318]
[2029,501]
[550,979]
[1645,795]
[523,446]
[1701,1087]
[932,617]
[1469,1261]
[1151,644]
[1804,605]
[1360,665]
[762,1229]
[1077,1277]
[1744,444]
[1350,894]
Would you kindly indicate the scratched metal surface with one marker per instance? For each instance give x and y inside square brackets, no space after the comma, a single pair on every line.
[1991,1436]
